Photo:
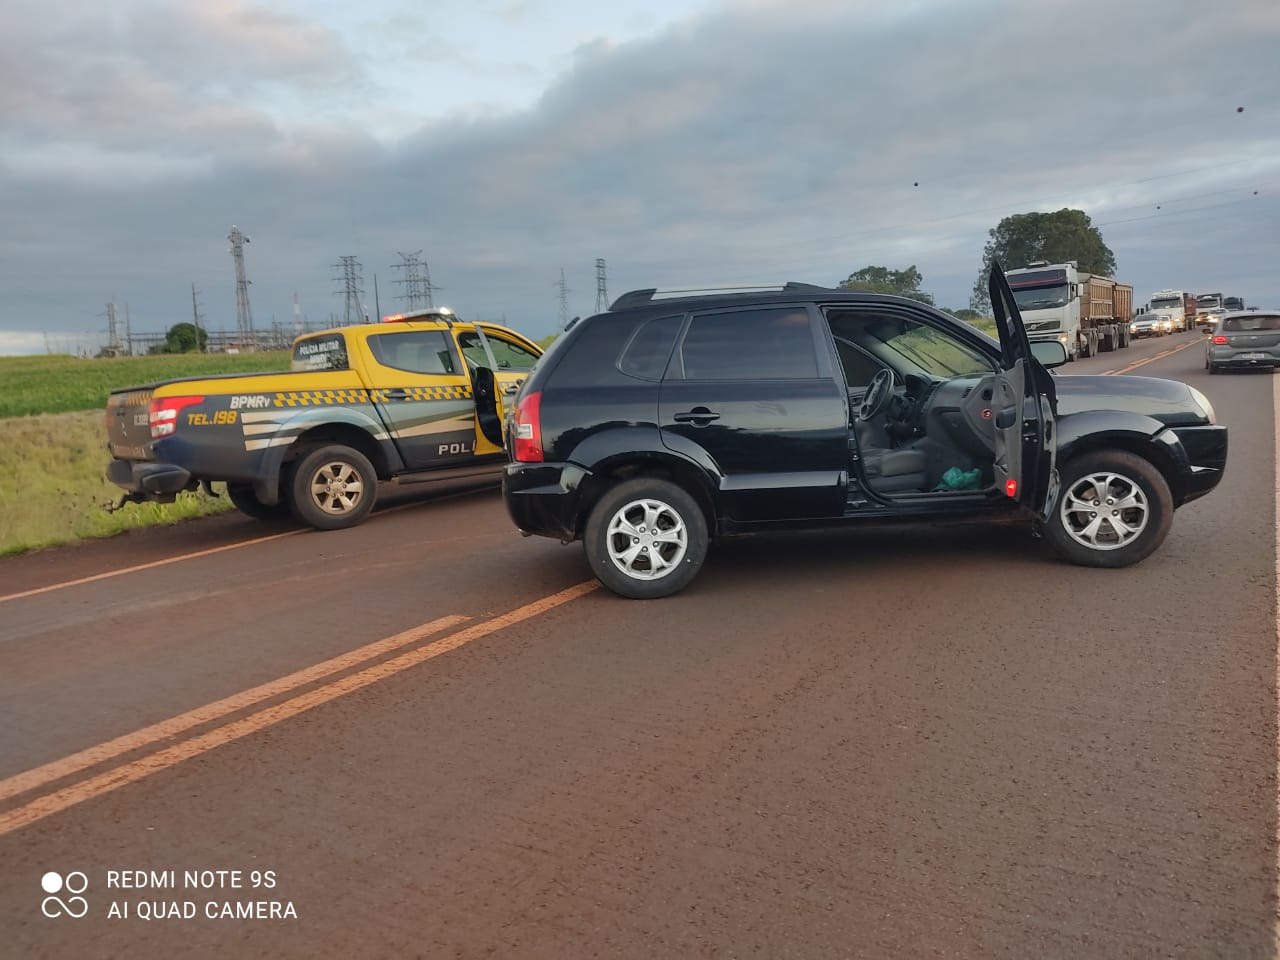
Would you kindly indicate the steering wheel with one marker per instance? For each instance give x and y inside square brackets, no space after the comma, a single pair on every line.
[877,396]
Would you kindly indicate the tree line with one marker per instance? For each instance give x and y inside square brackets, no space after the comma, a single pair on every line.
[1016,241]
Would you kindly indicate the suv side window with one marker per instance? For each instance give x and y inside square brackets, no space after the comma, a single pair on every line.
[859,367]
[417,351]
[646,354]
[760,343]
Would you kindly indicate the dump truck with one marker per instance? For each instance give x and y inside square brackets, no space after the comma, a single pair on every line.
[1085,312]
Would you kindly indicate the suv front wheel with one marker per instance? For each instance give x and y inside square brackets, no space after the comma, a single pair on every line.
[646,538]
[1113,509]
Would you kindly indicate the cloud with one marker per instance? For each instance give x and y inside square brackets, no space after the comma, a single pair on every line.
[753,143]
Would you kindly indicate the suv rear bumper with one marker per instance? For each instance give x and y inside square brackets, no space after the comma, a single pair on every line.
[544,498]
[148,478]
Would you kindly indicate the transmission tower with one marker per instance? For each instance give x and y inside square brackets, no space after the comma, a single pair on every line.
[352,291]
[602,287]
[415,280]
[244,316]
[564,300]
[115,347]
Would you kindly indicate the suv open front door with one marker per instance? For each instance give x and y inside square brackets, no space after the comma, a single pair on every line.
[1025,401]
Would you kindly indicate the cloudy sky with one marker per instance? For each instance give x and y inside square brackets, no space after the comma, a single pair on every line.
[690,143]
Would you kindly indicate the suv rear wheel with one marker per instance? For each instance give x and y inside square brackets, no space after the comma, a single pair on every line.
[1113,510]
[646,538]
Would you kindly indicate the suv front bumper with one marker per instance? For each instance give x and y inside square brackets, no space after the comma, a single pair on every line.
[1201,456]
[544,498]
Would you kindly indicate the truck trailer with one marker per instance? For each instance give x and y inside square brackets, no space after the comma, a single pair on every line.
[1085,312]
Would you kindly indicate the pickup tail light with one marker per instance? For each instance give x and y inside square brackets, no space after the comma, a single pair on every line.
[164,413]
[527,428]
[1219,339]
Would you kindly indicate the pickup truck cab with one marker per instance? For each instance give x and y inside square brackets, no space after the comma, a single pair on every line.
[417,398]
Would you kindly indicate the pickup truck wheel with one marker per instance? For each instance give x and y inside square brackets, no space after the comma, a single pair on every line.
[1114,509]
[332,487]
[646,538]
[243,498]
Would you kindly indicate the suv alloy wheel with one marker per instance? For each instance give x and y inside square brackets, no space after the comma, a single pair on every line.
[646,538]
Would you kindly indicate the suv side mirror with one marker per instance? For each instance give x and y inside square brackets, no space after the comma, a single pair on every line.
[1049,353]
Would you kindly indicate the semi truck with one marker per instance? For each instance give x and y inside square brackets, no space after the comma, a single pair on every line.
[1085,312]
[1208,307]
[1177,305]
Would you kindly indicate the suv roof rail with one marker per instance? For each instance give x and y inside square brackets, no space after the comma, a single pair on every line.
[637,298]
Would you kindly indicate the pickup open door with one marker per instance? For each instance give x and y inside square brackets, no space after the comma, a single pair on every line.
[1025,403]
[497,364]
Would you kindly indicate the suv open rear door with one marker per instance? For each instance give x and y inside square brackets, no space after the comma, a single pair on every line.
[1024,403]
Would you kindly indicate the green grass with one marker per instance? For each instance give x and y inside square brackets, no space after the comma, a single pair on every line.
[59,384]
[53,485]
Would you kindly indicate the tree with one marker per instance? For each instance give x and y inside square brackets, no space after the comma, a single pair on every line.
[965,314]
[898,283]
[1054,237]
[185,338]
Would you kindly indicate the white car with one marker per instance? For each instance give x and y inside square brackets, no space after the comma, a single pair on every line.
[1150,325]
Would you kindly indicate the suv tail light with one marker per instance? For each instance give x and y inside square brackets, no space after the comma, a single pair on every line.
[164,413]
[527,428]
[1219,339]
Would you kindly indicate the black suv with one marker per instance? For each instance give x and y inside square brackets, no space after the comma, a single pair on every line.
[645,430]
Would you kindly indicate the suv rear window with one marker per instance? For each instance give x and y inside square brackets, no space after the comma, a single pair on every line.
[1265,321]
[762,343]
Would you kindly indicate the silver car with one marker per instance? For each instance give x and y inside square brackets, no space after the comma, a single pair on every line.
[1243,339]
[1149,325]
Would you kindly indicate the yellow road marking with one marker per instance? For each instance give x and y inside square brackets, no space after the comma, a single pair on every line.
[1159,356]
[148,566]
[57,769]
[135,770]
[230,546]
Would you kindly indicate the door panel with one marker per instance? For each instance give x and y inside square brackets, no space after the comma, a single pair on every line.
[1029,444]
[498,365]
[744,397]
[422,395]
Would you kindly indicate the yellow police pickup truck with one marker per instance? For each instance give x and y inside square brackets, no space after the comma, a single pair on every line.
[417,397]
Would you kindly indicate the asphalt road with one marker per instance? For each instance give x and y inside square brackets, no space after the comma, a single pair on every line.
[880,743]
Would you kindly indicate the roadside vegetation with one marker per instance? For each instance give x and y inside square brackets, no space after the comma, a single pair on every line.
[57,384]
[53,485]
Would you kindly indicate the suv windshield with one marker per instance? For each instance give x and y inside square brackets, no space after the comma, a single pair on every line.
[936,354]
